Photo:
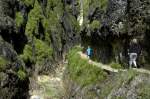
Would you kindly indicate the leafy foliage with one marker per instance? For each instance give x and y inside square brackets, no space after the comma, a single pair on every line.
[28,2]
[27,54]
[91,4]
[21,74]
[83,72]
[34,16]
[18,19]
[3,63]
[43,51]
[95,25]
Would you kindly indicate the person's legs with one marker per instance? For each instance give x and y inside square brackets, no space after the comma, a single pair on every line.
[134,59]
[130,63]
[130,60]
[88,56]
[134,62]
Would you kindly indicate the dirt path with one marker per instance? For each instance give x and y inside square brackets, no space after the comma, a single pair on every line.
[48,87]
[108,68]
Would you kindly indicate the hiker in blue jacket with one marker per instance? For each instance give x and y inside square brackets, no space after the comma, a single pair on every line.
[89,52]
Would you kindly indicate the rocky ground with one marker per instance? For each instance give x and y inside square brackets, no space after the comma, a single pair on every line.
[48,86]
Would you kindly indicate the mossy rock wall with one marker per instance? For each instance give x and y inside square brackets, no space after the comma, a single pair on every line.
[50,28]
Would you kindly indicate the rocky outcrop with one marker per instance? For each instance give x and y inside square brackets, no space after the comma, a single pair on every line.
[13,76]
[110,31]
[35,35]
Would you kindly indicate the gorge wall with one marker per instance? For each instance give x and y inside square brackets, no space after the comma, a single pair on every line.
[35,35]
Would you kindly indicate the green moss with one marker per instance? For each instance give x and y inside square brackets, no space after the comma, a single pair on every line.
[95,25]
[28,2]
[21,74]
[18,19]
[81,71]
[3,63]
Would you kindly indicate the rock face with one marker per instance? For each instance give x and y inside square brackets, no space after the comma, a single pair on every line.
[13,80]
[34,37]
[36,34]
[119,23]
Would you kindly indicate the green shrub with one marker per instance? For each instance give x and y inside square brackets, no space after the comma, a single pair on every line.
[18,19]
[3,63]
[81,71]
[28,2]
[43,51]
[27,54]
[21,74]
[33,18]
[93,4]
[95,25]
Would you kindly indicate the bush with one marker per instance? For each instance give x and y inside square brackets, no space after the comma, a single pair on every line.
[18,19]
[81,71]
[95,25]
[3,63]
[33,18]
[21,74]
[43,51]
[27,54]
[28,2]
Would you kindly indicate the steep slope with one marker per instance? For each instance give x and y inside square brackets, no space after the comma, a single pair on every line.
[85,80]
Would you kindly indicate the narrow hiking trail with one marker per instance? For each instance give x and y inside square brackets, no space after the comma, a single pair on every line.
[51,86]
[108,68]
[48,86]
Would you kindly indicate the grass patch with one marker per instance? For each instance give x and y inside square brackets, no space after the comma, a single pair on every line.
[81,71]
[116,65]
[144,91]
